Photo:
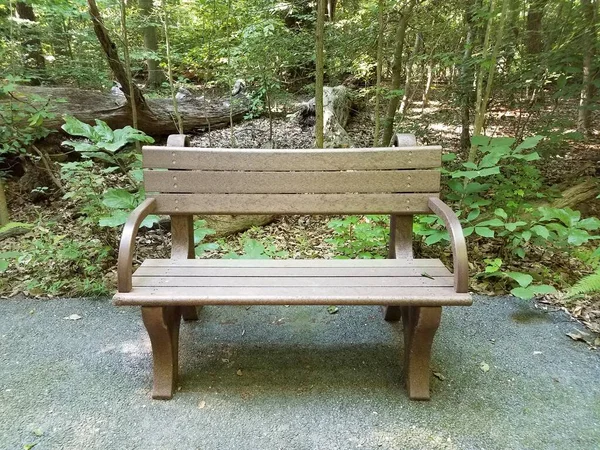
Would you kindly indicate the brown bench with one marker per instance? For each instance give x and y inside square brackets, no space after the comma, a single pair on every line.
[181,181]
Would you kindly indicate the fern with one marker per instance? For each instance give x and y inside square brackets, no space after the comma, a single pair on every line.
[586,285]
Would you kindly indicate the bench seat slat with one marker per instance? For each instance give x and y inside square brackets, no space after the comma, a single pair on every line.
[297,281]
[281,263]
[420,157]
[293,203]
[366,295]
[227,182]
[314,272]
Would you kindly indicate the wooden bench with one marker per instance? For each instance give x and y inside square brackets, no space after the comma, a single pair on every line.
[181,181]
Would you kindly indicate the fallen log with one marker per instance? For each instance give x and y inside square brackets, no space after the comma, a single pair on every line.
[156,118]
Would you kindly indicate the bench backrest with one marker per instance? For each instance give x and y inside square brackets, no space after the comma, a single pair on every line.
[393,180]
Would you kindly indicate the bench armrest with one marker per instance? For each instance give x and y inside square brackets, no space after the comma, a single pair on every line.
[457,240]
[130,230]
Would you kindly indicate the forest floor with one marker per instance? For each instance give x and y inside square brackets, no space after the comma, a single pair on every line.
[503,376]
[564,162]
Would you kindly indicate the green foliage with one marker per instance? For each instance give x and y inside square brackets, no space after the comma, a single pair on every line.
[6,258]
[587,285]
[21,119]
[253,249]
[104,143]
[201,231]
[363,237]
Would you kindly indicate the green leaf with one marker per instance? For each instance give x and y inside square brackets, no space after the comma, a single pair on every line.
[447,157]
[75,127]
[150,221]
[207,246]
[523,293]
[474,214]
[468,231]
[501,213]
[103,131]
[117,218]
[526,235]
[530,142]
[523,279]
[544,289]
[81,146]
[436,237]
[520,252]
[541,231]
[470,165]
[3,265]
[254,250]
[484,231]
[476,173]
[491,223]
[119,199]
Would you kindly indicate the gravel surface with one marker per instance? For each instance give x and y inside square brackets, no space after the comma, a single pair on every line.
[294,378]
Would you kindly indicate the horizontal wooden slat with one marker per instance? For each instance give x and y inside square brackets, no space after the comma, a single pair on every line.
[299,281]
[420,157]
[222,182]
[297,263]
[316,272]
[292,203]
[415,296]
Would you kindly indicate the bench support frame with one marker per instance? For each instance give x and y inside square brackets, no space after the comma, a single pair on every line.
[162,324]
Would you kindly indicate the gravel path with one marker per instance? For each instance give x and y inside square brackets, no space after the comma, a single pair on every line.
[294,378]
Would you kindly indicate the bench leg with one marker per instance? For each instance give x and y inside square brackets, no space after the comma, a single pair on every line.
[190,313]
[392,313]
[162,324]
[420,325]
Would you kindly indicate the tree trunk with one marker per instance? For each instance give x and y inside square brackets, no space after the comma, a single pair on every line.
[483,95]
[584,120]
[4,214]
[112,55]
[408,94]
[379,68]
[466,78]
[535,15]
[427,84]
[32,45]
[319,73]
[388,126]
[155,75]
[86,105]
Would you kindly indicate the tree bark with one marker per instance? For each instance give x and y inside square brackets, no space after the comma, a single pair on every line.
[32,45]
[535,15]
[319,73]
[408,88]
[86,105]
[112,55]
[380,38]
[584,120]
[155,75]
[388,126]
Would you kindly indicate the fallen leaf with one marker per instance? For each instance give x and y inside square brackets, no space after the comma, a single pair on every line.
[239,372]
[576,336]
[72,317]
[597,342]
[202,404]
[485,367]
[439,376]
[332,309]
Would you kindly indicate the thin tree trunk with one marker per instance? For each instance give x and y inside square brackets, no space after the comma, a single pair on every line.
[178,118]
[319,73]
[535,15]
[379,64]
[406,98]
[155,75]
[466,78]
[428,84]
[4,214]
[112,55]
[483,96]
[134,115]
[388,126]
[584,120]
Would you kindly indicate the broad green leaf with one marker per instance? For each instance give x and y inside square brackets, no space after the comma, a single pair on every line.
[501,213]
[544,289]
[150,221]
[75,127]
[447,157]
[470,165]
[476,173]
[436,237]
[119,199]
[529,142]
[491,223]
[523,279]
[541,231]
[81,146]
[520,252]
[103,131]
[578,237]
[484,231]
[207,246]
[523,293]
[526,235]
[118,217]
[474,214]
[468,231]
[3,265]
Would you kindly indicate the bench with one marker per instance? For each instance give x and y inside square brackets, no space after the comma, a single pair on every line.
[181,181]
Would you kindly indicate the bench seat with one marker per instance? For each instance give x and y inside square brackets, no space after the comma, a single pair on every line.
[417,282]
